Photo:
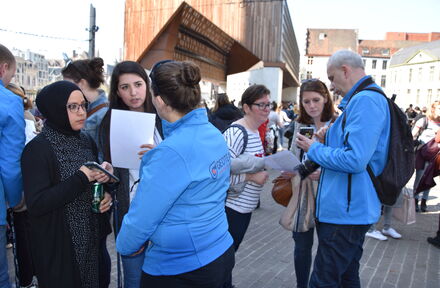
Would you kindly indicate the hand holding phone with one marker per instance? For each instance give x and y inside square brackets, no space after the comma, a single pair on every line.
[95,166]
[306,131]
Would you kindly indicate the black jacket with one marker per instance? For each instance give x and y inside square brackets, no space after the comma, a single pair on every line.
[224,116]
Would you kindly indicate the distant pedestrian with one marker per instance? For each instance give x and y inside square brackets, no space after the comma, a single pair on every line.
[224,112]
[387,230]
[12,139]
[89,76]
[274,126]
[347,202]
[425,130]
[436,239]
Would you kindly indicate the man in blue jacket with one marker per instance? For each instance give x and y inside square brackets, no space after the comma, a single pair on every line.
[12,139]
[347,203]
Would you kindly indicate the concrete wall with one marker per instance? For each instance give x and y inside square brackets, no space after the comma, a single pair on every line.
[290,94]
[271,77]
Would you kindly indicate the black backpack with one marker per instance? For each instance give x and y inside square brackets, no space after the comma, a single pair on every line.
[399,167]
[245,135]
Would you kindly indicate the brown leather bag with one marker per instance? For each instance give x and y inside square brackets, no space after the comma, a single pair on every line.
[282,190]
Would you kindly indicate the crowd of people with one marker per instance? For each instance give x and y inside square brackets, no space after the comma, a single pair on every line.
[185,232]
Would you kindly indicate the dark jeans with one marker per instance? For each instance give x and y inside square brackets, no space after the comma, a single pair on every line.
[302,257]
[212,275]
[339,252]
[238,224]
[23,243]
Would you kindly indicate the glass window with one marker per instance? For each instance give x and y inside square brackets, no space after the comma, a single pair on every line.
[429,95]
[383,81]
[410,75]
[373,64]
[431,73]
[384,64]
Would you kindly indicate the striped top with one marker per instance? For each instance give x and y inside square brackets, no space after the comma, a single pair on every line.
[247,201]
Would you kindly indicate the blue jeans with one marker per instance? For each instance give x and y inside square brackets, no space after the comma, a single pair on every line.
[4,276]
[281,134]
[339,252]
[419,174]
[132,266]
[302,257]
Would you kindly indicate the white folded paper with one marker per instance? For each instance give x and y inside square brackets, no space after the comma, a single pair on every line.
[128,131]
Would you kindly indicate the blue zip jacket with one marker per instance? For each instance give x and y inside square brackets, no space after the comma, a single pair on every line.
[364,141]
[12,138]
[180,202]
[93,122]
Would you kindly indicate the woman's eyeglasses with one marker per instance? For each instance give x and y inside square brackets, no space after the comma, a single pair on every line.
[74,107]
[263,106]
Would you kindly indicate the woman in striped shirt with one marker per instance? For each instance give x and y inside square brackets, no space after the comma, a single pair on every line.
[239,206]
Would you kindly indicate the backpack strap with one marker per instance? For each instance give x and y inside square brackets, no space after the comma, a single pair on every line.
[357,91]
[361,87]
[245,135]
[96,109]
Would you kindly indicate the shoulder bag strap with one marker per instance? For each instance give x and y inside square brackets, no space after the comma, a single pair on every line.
[96,109]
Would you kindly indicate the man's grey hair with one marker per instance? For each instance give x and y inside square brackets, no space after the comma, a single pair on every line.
[345,57]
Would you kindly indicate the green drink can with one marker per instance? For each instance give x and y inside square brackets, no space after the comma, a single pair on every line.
[98,195]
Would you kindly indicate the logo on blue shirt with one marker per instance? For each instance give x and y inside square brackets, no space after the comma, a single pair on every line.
[219,166]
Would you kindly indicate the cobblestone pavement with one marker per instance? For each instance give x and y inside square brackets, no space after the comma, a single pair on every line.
[265,257]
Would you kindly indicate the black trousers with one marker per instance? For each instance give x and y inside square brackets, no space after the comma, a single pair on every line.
[23,241]
[104,263]
[212,275]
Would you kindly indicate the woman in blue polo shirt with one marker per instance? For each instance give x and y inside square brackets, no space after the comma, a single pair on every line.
[178,212]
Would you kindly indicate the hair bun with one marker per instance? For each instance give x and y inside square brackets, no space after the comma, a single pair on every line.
[190,74]
[97,64]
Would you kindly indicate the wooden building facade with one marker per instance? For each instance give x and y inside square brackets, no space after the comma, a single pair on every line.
[220,32]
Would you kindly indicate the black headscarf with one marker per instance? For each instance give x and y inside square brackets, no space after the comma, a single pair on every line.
[52,101]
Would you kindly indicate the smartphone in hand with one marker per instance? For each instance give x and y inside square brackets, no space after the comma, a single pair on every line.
[95,166]
[306,131]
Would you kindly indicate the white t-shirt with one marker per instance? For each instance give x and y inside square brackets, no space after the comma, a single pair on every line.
[274,119]
[134,173]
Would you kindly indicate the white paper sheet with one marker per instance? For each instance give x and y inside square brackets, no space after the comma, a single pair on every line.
[128,131]
[283,161]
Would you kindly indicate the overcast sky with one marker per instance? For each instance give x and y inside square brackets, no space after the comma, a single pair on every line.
[70,18]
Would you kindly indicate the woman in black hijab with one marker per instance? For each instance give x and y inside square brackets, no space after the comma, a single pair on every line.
[58,191]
